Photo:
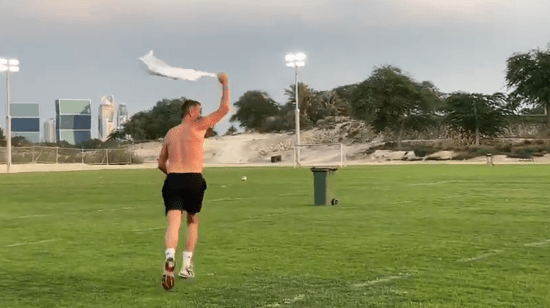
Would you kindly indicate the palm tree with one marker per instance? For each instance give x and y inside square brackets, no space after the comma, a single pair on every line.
[305,94]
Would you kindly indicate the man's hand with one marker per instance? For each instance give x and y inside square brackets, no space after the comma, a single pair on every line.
[222,77]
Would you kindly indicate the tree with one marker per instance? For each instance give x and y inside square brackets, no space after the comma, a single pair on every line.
[529,75]
[392,101]
[328,103]
[20,141]
[210,132]
[305,95]
[91,144]
[2,137]
[252,108]
[117,135]
[155,123]
[477,114]
[346,92]
[231,130]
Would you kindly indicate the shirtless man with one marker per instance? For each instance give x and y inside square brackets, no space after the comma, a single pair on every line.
[184,187]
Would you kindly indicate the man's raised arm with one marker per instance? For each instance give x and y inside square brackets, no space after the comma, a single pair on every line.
[217,115]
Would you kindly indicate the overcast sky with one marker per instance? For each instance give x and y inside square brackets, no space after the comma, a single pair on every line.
[86,49]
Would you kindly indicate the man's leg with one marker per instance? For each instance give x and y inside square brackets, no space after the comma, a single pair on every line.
[171,243]
[193,207]
[192,232]
[172,232]
[192,237]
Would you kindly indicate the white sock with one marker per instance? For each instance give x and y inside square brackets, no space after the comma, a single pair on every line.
[187,255]
[170,253]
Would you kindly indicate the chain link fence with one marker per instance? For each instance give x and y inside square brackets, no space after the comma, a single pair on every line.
[59,155]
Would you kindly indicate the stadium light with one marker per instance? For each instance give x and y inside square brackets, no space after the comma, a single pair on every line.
[8,66]
[296,60]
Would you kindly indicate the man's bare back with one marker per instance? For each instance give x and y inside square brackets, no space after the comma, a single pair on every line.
[184,144]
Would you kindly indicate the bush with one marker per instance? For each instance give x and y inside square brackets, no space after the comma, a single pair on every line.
[504,147]
[483,151]
[463,156]
[123,157]
[422,152]
[522,153]
[274,124]
[112,156]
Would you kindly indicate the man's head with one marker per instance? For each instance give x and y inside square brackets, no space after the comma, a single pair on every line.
[190,109]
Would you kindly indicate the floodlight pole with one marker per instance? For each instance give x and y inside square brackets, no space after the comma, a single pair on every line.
[297,116]
[11,65]
[296,60]
[8,120]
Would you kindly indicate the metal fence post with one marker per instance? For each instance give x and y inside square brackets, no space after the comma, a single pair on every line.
[82,156]
[294,155]
[56,154]
[341,155]
[107,154]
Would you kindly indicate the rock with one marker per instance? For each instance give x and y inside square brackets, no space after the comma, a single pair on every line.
[409,155]
[380,154]
[442,155]
[397,155]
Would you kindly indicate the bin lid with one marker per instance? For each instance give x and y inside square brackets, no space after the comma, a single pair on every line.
[323,169]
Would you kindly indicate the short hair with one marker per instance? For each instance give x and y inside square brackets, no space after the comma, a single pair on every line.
[186,106]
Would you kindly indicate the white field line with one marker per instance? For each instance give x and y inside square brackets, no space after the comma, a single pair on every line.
[30,243]
[293,194]
[148,229]
[545,242]
[74,212]
[381,280]
[450,197]
[285,301]
[254,218]
[435,183]
[29,216]
[224,199]
[485,255]
[110,210]
[400,202]
[247,220]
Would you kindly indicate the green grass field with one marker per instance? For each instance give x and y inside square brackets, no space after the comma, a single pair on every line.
[402,236]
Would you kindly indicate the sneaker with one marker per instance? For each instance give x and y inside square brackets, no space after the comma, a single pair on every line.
[187,272]
[168,276]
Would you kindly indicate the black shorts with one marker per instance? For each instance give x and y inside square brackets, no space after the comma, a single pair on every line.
[184,192]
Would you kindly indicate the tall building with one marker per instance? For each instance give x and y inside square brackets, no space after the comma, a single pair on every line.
[122,115]
[106,117]
[73,122]
[49,131]
[25,121]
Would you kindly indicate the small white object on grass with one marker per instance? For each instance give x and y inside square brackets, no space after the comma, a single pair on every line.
[243,178]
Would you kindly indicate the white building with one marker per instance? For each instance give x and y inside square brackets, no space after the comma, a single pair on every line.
[106,117]
[122,115]
[49,131]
